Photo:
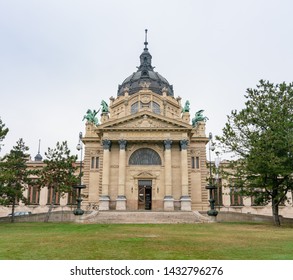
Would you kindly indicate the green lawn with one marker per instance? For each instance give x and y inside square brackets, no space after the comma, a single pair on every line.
[219,241]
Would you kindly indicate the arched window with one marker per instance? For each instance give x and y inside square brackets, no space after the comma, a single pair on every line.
[134,108]
[145,156]
[156,108]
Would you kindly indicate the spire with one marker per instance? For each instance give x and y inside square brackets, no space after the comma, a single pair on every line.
[145,57]
[38,157]
[146,40]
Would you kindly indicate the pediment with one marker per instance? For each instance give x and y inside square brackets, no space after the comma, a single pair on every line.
[145,175]
[145,121]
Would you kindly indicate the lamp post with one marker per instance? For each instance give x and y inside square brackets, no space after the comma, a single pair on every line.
[211,187]
[78,210]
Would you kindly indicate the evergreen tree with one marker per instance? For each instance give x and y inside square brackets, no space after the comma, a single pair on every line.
[14,176]
[58,174]
[261,136]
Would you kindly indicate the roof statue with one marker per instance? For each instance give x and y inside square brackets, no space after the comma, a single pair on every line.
[199,117]
[186,107]
[105,107]
[91,117]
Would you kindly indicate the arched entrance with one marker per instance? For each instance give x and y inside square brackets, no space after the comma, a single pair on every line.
[145,194]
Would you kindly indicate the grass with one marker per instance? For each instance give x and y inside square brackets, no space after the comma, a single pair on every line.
[221,241]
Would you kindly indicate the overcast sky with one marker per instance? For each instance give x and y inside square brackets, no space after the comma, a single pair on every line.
[59,58]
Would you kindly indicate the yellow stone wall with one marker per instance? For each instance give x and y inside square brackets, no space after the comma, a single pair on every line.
[146,129]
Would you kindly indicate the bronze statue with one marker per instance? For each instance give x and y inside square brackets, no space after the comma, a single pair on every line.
[186,107]
[105,107]
[199,118]
[91,117]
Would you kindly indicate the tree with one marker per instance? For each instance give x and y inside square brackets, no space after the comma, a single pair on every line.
[58,174]
[3,132]
[14,176]
[261,136]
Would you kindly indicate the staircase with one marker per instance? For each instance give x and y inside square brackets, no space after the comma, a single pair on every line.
[143,217]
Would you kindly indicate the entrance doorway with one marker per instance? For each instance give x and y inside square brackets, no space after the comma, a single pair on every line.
[145,194]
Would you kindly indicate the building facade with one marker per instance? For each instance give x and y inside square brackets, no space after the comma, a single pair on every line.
[145,154]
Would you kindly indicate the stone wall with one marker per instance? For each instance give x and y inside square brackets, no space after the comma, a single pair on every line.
[58,216]
[242,217]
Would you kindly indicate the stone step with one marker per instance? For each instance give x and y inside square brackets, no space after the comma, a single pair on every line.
[143,217]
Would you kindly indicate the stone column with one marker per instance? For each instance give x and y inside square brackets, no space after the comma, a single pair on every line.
[121,199]
[104,198]
[168,199]
[185,198]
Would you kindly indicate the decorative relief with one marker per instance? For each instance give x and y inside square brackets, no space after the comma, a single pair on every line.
[146,122]
[140,174]
[145,85]
[145,136]
[94,153]
[145,99]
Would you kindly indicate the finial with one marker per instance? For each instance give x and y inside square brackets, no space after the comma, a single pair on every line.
[146,40]
[39,146]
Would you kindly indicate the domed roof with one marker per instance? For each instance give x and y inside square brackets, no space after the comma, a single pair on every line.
[38,157]
[145,77]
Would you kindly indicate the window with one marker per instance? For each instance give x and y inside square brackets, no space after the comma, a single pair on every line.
[156,108]
[140,105]
[94,162]
[134,108]
[145,156]
[51,192]
[71,198]
[235,197]
[195,162]
[33,195]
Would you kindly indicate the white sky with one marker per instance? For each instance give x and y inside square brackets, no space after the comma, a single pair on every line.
[59,58]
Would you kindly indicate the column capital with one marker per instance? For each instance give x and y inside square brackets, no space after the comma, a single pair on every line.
[167,144]
[122,144]
[183,144]
[106,144]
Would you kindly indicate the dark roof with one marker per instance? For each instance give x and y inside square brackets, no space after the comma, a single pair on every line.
[145,77]
[38,157]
